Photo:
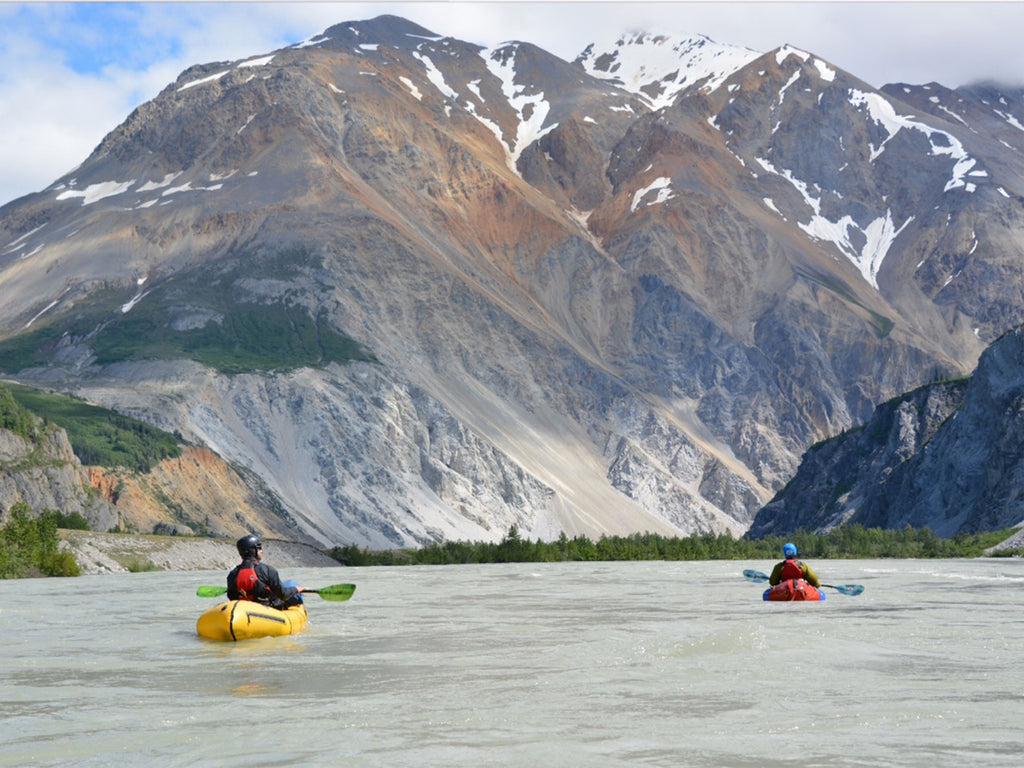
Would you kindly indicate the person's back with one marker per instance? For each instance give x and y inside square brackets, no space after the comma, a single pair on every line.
[791,568]
[255,580]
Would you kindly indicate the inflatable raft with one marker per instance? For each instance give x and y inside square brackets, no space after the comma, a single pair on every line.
[793,589]
[244,620]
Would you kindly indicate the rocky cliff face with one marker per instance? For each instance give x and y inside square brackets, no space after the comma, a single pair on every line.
[43,472]
[423,290]
[197,493]
[947,456]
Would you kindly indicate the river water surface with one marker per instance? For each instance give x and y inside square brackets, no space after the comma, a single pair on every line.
[562,664]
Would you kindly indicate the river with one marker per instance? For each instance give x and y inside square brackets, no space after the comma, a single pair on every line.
[562,664]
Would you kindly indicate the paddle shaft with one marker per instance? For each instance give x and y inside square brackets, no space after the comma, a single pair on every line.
[850,590]
[335,593]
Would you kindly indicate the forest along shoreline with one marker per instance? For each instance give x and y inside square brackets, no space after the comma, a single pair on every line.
[98,553]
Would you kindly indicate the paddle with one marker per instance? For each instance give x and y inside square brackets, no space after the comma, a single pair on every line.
[844,589]
[336,593]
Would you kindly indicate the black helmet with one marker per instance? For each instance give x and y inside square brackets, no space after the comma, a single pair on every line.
[247,545]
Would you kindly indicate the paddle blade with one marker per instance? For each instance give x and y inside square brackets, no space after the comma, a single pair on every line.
[337,593]
[757,576]
[846,589]
[211,591]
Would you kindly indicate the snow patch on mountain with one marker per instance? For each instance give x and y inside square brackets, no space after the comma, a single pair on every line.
[658,67]
[127,306]
[883,113]
[825,72]
[96,192]
[21,241]
[435,76]
[257,62]
[532,108]
[662,185]
[203,80]
[412,88]
[877,236]
[150,186]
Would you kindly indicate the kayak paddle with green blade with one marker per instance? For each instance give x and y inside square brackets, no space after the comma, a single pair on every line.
[336,593]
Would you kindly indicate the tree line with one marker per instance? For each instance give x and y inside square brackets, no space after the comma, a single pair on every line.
[851,542]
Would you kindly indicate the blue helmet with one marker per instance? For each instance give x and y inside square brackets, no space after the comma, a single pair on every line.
[789,550]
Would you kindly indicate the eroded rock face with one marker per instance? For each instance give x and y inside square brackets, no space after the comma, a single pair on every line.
[44,473]
[194,494]
[197,493]
[948,456]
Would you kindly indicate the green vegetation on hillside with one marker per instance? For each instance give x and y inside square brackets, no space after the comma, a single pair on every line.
[28,349]
[29,545]
[14,417]
[855,541]
[253,337]
[250,338]
[98,436]
[246,313]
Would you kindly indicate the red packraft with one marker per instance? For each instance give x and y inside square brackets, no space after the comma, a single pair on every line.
[793,589]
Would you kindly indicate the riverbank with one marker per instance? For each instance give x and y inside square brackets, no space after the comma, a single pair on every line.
[125,552]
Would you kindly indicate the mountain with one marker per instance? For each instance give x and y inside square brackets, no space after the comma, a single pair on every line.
[660,67]
[948,456]
[191,492]
[38,468]
[425,290]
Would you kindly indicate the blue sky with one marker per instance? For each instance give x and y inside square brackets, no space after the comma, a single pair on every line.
[71,72]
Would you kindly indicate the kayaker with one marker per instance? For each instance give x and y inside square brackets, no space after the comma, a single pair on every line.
[255,580]
[791,568]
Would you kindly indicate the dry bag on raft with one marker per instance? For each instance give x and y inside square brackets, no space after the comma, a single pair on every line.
[793,589]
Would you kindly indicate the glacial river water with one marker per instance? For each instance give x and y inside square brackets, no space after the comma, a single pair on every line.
[564,664]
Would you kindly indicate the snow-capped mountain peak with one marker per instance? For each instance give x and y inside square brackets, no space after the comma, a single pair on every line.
[658,67]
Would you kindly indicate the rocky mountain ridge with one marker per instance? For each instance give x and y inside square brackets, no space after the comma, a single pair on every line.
[195,493]
[951,447]
[191,493]
[425,290]
[44,473]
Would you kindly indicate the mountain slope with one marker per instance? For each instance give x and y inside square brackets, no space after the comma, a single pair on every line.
[39,469]
[188,490]
[426,290]
[947,456]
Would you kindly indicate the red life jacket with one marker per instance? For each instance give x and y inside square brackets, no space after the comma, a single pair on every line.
[249,585]
[791,570]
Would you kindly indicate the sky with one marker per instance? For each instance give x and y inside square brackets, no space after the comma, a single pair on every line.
[71,72]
